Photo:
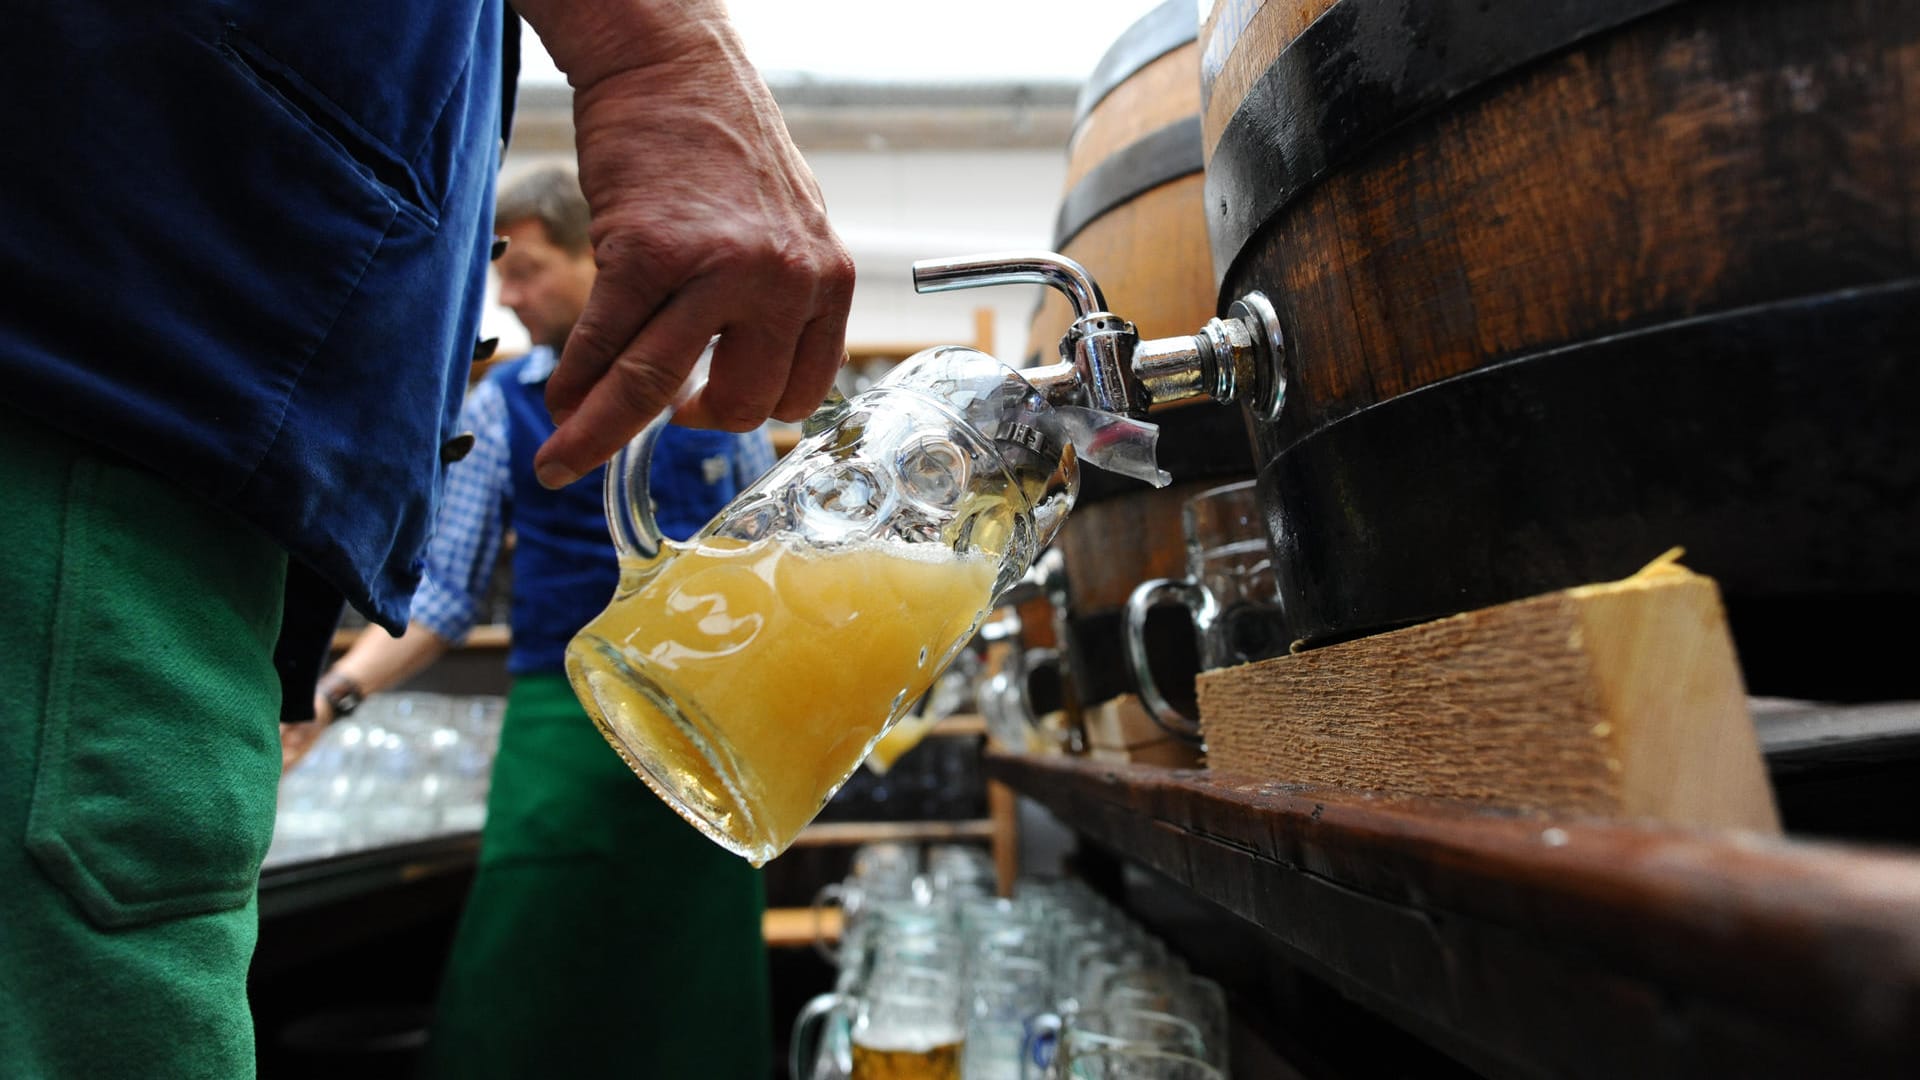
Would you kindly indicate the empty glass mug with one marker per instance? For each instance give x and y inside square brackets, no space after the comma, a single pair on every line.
[1229,590]
[744,673]
[1140,1063]
[1093,1031]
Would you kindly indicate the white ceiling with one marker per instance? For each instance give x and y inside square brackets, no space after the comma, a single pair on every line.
[915,41]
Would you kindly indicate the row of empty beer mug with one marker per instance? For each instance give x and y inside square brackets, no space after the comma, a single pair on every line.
[940,979]
[1227,589]
[403,767]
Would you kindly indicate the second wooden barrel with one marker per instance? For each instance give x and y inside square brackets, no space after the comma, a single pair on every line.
[1132,214]
[1567,285]
[1131,211]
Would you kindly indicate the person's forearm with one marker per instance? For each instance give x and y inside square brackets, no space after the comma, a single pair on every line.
[379,661]
[589,42]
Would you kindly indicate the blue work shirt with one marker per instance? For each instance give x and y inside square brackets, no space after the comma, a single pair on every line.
[246,247]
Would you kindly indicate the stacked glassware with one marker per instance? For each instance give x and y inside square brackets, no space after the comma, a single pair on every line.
[403,767]
[939,977]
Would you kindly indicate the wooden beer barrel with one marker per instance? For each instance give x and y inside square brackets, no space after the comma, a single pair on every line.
[1131,211]
[1132,214]
[1564,286]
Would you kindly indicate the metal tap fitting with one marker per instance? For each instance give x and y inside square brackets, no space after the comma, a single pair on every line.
[1103,362]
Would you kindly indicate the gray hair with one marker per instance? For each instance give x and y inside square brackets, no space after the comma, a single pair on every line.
[551,196]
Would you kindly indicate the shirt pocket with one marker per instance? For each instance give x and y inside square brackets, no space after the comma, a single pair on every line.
[158,755]
[384,171]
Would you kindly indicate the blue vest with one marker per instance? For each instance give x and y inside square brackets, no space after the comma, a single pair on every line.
[564,567]
[246,246]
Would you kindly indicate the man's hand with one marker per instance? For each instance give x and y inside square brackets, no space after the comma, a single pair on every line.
[705,221]
[297,739]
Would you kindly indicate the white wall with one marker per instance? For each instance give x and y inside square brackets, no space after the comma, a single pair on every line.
[888,41]
[892,207]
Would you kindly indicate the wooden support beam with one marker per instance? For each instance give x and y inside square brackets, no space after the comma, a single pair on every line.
[1614,700]
[1003,809]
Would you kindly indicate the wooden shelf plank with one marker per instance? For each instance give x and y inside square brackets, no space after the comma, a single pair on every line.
[959,725]
[794,928]
[294,885]
[835,833]
[1528,946]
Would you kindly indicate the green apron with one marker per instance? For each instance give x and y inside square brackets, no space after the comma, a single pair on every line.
[138,761]
[604,936]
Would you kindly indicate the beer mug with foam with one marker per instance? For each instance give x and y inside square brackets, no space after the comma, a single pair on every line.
[1229,591]
[906,1023]
[745,672]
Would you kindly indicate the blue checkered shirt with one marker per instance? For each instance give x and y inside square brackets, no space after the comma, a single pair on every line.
[476,503]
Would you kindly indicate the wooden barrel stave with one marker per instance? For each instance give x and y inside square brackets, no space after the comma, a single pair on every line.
[1161,93]
[1238,38]
[1170,293]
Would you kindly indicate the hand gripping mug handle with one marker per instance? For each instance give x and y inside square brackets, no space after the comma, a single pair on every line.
[629,505]
[1148,595]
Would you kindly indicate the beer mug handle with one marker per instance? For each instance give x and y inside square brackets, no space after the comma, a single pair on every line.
[629,505]
[1148,595]
[1039,1046]
[804,1051]
[836,892]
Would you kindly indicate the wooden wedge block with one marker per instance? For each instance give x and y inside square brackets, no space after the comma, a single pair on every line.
[1617,700]
[1119,730]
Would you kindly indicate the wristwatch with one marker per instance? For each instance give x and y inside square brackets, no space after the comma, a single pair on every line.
[341,693]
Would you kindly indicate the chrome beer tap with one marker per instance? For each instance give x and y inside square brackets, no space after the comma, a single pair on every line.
[1104,364]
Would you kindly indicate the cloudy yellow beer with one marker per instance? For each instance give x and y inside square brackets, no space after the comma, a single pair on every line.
[745,681]
[940,1062]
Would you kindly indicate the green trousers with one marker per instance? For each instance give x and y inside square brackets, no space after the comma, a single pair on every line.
[604,936]
[138,762]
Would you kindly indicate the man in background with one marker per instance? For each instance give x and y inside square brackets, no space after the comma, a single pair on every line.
[604,935]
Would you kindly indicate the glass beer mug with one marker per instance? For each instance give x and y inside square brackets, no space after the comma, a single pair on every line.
[746,672]
[1229,590]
